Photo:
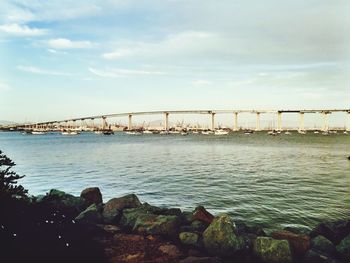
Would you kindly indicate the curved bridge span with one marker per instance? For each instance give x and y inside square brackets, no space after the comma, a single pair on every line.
[325,113]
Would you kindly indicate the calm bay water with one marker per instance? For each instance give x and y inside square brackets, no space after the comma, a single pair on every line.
[287,180]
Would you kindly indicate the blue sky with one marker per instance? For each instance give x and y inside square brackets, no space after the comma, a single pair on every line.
[61,58]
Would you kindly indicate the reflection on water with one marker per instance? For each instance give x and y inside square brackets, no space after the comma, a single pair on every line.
[287,180]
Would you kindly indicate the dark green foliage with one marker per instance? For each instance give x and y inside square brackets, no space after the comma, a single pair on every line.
[8,180]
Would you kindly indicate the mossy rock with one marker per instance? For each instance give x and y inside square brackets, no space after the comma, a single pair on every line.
[62,200]
[90,215]
[113,208]
[270,250]
[323,245]
[129,216]
[151,224]
[188,238]
[343,248]
[220,238]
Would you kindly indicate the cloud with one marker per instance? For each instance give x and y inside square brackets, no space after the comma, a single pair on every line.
[174,45]
[63,43]
[118,54]
[40,71]
[4,86]
[117,73]
[22,30]
[201,82]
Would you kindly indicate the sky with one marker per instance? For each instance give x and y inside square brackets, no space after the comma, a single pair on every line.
[63,58]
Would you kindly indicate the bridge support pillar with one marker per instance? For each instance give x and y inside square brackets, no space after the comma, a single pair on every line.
[130,122]
[325,121]
[257,126]
[212,121]
[166,121]
[92,124]
[235,122]
[279,121]
[104,123]
[301,121]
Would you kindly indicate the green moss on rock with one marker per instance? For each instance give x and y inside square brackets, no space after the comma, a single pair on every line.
[271,250]
[220,239]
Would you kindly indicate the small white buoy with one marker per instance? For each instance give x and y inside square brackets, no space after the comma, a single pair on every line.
[2,227]
[14,234]
[51,222]
[73,221]
[59,237]
[46,221]
[67,244]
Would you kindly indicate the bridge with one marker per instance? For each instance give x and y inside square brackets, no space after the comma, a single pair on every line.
[212,113]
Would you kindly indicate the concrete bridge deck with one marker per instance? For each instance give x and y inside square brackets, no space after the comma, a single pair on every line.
[212,113]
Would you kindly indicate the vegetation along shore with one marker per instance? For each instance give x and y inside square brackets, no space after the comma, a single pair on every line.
[60,227]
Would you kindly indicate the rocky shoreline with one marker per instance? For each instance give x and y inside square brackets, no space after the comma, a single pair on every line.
[60,227]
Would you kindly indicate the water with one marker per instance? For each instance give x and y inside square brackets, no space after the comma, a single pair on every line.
[271,181]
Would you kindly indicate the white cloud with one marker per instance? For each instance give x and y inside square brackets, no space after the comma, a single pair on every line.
[117,73]
[187,43]
[201,82]
[118,54]
[22,30]
[4,86]
[40,71]
[63,43]
[54,51]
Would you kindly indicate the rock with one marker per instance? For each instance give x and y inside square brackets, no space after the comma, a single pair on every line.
[113,207]
[194,253]
[195,226]
[297,230]
[129,216]
[299,244]
[323,245]
[110,229]
[242,228]
[91,195]
[131,238]
[313,256]
[38,198]
[63,201]
[187,217]
[201,214]
[170,250]
[271,250]
[188,238]
[169,212]
[334,231]
[343,248]
[220,238]
[90,215]
[157,225]
[192,259]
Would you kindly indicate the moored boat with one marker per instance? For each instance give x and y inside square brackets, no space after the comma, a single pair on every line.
[220,132]
[69,132]
[38,132]
[107,132]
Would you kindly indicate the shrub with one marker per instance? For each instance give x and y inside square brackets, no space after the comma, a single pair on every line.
[8,180]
